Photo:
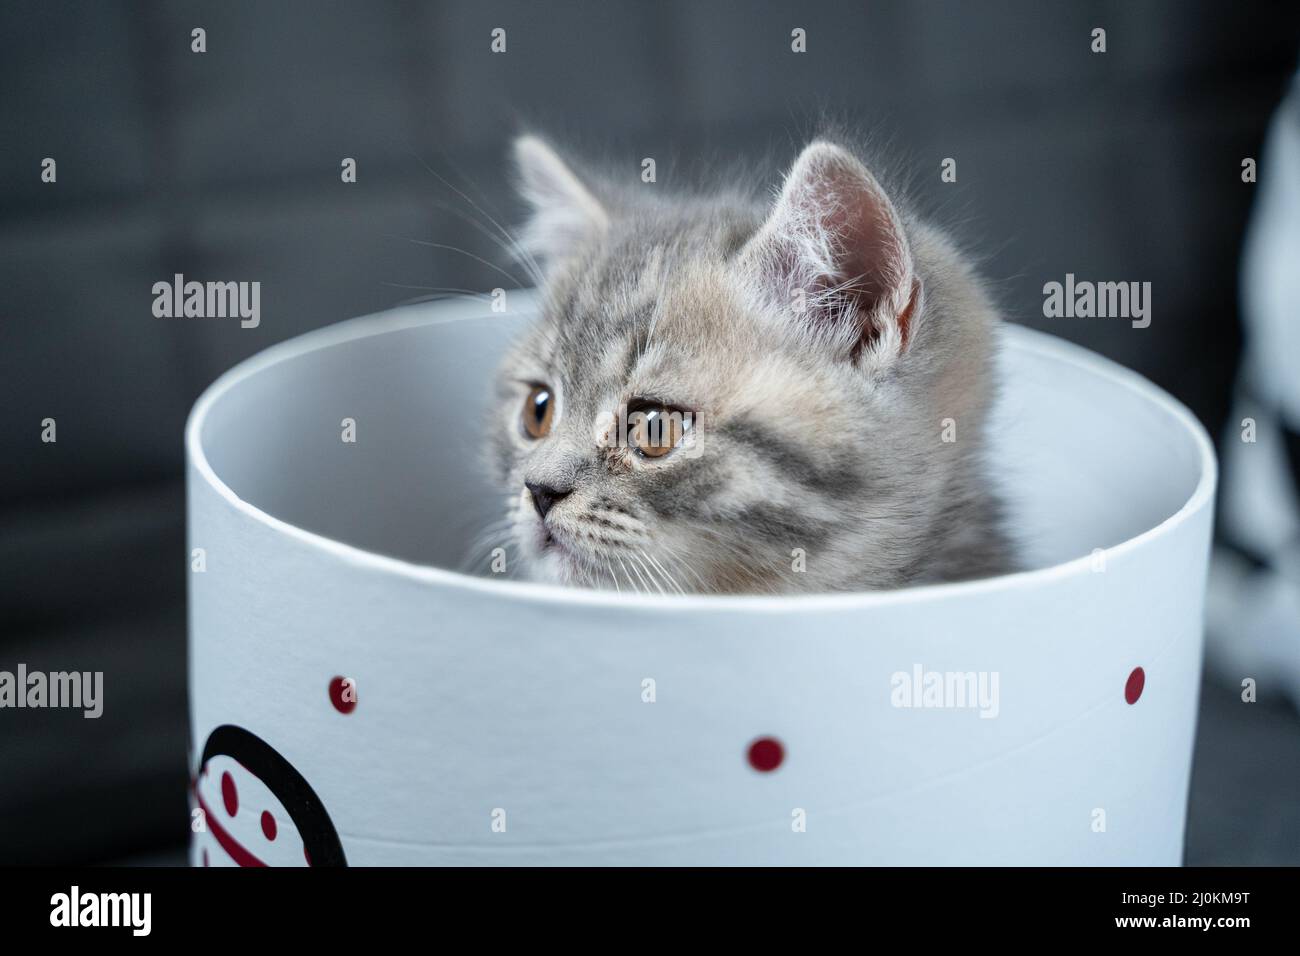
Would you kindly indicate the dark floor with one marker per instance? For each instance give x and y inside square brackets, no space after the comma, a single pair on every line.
[1245,801]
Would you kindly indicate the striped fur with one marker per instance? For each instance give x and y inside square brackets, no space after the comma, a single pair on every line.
[820,463]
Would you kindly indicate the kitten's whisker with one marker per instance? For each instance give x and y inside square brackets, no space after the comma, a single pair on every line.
[473,205]
[498,533]
[677,561]
[464,252]
[744,561]
[623,567]
[654,577]
[479,209]
[439,294]
[683,562]
[638,563]
[667,575]
[644,588]
[510,245]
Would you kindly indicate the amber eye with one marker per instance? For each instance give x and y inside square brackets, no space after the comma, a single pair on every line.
[657,430]
[539,409]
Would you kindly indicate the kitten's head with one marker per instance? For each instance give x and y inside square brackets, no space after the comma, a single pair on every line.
[724,394]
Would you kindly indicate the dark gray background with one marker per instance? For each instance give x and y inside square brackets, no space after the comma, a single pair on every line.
[225,165]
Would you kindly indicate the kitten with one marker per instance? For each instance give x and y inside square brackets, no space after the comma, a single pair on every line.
[725,393]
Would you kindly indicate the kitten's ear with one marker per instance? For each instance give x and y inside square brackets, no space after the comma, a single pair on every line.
[833,254]
[565,213]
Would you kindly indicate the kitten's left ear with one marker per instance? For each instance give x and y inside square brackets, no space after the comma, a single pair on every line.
[565,213]
[834,254]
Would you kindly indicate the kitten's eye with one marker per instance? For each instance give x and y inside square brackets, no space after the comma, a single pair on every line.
[657,430]
[539,409]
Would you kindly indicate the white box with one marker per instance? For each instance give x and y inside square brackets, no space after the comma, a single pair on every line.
[501,722]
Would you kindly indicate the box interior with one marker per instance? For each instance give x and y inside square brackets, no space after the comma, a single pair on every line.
[1085,460]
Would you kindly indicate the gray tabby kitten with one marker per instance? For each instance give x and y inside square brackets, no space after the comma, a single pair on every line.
[725,393]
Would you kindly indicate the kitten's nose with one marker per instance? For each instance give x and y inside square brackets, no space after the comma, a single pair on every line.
[545,497]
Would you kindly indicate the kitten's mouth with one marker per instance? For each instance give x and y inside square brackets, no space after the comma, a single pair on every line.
[550,543]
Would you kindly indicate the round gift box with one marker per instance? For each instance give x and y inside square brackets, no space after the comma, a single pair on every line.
[357,699]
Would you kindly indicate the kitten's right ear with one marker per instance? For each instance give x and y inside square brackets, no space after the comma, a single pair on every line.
[565,213]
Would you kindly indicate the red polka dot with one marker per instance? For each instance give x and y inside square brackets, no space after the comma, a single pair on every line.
[1136,681]
[339,687]
[205,857]
[766,754]
[229,796]
[268,825]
